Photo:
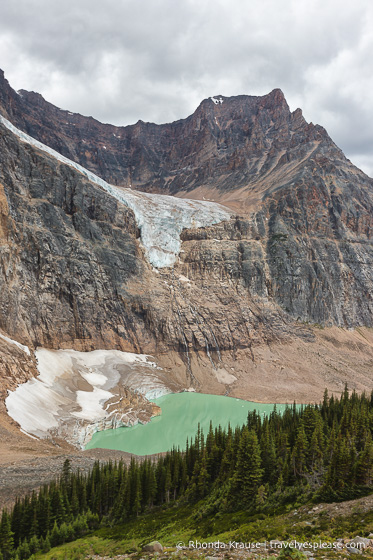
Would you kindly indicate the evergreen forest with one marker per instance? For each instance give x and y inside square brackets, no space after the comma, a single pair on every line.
[316,452]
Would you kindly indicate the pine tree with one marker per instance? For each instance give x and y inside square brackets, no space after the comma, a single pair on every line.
[261,495]
[6,536]
[151,486]
[227,461]
[64,534]
[34,544]
[83,497]
[248,472]
[58,511]
[24,550]
[203,476]
[74,499]
[136,505]
[55,537]
[299,454]
[66,472]
[167,483]
[268,454]
[364,467]
[44,514]
[80,526]
[16,522]
[45,544]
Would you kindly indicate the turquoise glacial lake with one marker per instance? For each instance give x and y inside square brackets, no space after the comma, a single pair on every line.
[181,413]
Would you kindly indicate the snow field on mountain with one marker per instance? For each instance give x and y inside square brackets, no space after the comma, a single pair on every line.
[76,385]
[15,343]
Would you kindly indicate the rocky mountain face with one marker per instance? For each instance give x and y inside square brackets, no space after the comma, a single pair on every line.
[226,144]
[252,306]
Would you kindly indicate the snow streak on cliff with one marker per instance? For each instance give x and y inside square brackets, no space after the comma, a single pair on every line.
[161,218]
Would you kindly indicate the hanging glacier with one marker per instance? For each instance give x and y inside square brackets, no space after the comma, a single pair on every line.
[160,218]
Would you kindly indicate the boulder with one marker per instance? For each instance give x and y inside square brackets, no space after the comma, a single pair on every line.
[353,550]
[359,542]
[154,546]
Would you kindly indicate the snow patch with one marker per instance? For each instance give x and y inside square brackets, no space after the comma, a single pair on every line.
[217,100]
[29,435]
[160,218]
[35,407]
[15,343]
[91,403]
[69,396]
[96,379]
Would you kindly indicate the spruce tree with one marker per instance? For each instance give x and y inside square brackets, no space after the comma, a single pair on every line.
[136,504]
[34,544]
[55,537]
[364,467]
[151,486]
[24,550]
[6,535]
[268,454]
[299,454]
[248,472]
[203,476]
[66,472]
[46,544]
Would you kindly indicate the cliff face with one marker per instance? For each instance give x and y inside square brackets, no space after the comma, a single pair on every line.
[298,250]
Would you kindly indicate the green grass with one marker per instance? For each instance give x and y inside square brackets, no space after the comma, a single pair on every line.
[183,524]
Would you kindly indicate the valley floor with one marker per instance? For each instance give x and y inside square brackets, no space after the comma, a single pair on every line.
[26,463]
[22,474]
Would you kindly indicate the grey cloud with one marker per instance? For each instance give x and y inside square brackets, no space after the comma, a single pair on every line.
[155,60]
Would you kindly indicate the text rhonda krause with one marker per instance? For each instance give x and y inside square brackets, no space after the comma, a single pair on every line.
[314,545]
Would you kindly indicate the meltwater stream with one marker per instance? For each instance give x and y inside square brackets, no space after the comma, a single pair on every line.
[181,413]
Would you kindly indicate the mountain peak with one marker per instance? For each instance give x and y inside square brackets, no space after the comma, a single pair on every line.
[227,144]
[277,93]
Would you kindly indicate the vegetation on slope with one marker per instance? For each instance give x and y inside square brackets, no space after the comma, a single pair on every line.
[317,453]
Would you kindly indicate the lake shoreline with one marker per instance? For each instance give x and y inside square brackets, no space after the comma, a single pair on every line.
[181,414]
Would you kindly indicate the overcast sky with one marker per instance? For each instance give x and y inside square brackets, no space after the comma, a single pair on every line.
[155,60]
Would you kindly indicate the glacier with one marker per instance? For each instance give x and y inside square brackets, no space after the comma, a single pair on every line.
[72,395]
[160,218]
